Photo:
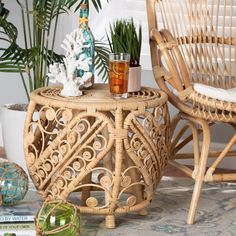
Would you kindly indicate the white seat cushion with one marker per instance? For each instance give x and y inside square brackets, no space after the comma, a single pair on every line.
[228,95]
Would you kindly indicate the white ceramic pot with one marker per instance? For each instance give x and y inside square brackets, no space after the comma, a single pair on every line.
[12,120]
[134,82]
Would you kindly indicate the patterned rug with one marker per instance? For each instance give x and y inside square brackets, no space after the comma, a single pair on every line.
[216,213]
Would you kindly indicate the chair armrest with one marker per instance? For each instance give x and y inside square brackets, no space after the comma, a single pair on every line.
[156,36]
[172,56]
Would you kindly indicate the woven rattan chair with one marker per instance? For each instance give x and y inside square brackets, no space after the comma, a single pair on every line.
[193,52]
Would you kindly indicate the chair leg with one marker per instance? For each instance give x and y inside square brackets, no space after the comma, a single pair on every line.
[201,171]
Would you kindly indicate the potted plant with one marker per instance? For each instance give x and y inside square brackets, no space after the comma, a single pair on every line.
[40,23]
[126,37]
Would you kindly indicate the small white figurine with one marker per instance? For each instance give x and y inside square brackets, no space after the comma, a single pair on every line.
[75,73]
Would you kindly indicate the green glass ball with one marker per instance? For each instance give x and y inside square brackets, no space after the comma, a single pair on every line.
[58,218]
[13,183]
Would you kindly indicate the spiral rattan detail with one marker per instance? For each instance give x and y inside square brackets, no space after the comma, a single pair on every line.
[112,151]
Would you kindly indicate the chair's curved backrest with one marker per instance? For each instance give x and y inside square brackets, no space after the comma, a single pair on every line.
[205,31]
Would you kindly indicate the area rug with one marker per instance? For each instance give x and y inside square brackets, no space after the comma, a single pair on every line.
[216,213]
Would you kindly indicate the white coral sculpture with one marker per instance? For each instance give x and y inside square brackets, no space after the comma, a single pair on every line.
[75,60]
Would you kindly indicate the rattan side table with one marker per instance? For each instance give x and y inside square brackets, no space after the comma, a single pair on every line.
[112,151]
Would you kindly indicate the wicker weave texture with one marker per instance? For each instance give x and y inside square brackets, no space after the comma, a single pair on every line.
[94,143]
[206,34]
[195,42]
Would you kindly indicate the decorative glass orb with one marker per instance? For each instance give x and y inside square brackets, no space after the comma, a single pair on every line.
[58,218]
[13,183]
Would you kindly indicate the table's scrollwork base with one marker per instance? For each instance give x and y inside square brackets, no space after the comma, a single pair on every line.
[69,150]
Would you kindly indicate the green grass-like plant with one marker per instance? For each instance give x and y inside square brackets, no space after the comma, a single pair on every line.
[124,37]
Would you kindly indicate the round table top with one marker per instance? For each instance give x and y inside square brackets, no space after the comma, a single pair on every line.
[99,97]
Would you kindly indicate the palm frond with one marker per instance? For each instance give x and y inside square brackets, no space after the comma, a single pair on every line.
[102,59]
[15,57]
[3,11]
[8,30]
[75,3]
[54,57]
[43,13]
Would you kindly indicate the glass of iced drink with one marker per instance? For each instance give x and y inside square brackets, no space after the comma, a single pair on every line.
[119,74]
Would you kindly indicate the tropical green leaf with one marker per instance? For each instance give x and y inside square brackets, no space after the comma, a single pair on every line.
[23,58]
[43,13]
[3,11]
[102,59]
[54,57]
[8,30]
[77,3]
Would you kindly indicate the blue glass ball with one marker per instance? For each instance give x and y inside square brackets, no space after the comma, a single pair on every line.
[13,183]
